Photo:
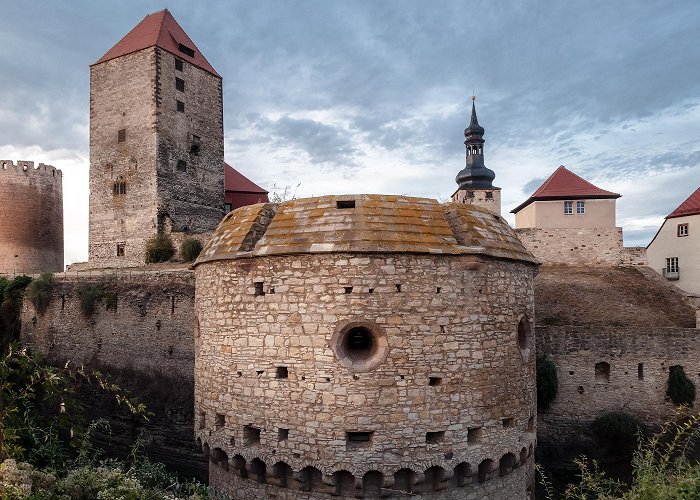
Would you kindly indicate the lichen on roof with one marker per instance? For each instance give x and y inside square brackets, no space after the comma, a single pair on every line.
[363,224]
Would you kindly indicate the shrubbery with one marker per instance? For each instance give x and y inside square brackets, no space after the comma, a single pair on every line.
[159,248]
[39,292]
[89,295]
[547,381]
[190,249]
[680,389]
[618,430]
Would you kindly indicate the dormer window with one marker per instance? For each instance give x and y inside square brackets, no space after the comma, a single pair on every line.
[185,50]
[682,230]
[568,207]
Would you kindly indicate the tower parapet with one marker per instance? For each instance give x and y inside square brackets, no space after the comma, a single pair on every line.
[31,221]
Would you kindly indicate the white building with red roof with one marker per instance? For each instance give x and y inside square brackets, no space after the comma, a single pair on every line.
[566,200]
[675,250]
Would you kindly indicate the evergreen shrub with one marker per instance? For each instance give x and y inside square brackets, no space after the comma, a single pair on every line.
[680,389]
[159,248]
[190,249]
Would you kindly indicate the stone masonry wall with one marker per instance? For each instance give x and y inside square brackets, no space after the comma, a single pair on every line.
[574,246]
[146,345]
[450,402]
[190,147]
[31,218]
[122,97]
[639,361]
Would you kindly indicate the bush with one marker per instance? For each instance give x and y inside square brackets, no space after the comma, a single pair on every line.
[89,296]
[159,248]
[618,429]
[547,382]
[39,292]
[190,249]
[680,389]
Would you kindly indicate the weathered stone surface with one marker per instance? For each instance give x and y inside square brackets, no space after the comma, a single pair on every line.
[31,219]
[447,389]
[169,184]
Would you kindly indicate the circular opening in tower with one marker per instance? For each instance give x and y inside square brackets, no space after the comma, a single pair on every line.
[359,345]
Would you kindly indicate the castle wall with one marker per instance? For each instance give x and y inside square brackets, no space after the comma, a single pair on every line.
[31,219]
[575,246]
[190,185]
[450,400]
[146,346]
[123,97]
[639,362]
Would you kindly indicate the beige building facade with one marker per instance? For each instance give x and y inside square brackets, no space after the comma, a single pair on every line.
[675,250]
[584,214]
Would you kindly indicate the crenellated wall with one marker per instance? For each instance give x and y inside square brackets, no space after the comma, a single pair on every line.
[31,219]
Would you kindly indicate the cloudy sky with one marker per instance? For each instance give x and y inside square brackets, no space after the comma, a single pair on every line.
[372,96]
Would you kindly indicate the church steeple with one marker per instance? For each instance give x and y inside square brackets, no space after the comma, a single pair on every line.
[475,174]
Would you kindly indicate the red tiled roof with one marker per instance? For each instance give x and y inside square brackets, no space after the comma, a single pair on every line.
[162,30]
[563,184]
[691,206]
[236,181]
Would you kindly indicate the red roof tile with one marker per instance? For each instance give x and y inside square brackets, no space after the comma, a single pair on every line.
[236,181]
[563,184]
[162,30]
[691,206]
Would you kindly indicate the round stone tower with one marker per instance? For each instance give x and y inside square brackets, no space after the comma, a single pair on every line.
[366,346]
[31,219]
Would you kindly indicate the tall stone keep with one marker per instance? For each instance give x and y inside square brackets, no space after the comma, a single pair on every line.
[156,142]
[366,346]
[475,180]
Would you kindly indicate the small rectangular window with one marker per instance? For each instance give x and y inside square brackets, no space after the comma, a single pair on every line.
[470,194]
[508,422]
[178,64]
[219,420]
[282,372]
[358,440]
[640,371]
[182,165]
[185,50]
[568,207]
[580,207]
[119,188]
[121,135]
[282,434]
[251,435]
[434,381]
[345,204]
[227,207]
[259,288]
[195,146]
[179,84]
[120,249]
[474,435]
[489,195]
[682,229]
[180,106]
[434,437]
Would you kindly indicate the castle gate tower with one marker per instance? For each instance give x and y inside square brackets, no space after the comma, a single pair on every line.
[31,219]
[156,141]
[366,346]
[475,180]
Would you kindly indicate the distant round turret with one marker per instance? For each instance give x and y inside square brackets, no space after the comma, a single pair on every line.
[31,219]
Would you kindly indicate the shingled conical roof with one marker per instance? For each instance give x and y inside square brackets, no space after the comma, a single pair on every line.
[563,184]
[160,29]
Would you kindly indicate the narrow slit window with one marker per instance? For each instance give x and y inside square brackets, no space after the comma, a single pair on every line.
[345,204]
[640,371]
[121,135]
[219,420]
[196,145]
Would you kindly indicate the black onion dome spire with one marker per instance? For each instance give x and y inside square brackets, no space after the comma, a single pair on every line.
[475,174]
